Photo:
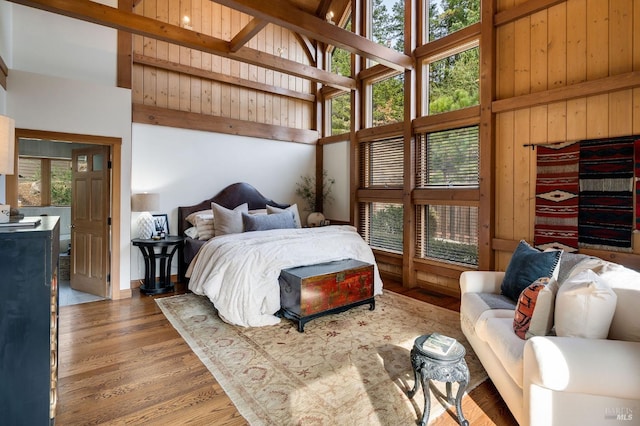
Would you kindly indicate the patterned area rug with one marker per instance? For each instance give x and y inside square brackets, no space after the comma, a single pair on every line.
[351,368]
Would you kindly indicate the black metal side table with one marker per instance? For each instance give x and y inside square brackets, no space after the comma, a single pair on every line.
[168,246]
[447,368]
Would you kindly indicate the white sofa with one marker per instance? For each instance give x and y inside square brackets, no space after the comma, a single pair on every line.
[551,380]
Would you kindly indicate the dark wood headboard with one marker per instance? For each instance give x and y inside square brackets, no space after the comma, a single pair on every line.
[230,197]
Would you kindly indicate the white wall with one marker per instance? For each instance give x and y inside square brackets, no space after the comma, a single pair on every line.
[188,166]
[336,163]
[55,45]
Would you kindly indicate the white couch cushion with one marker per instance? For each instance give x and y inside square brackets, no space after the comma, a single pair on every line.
[585,305]
[506,345]
[475,308]
[625,283]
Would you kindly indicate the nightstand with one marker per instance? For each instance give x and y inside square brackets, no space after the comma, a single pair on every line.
[167,248]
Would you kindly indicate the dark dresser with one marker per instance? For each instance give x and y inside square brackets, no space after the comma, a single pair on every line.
[29,322]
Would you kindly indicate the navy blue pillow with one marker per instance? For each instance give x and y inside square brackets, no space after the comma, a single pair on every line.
[527,265]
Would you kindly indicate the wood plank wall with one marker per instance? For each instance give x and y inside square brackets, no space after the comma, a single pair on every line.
[572,53]
[178,78]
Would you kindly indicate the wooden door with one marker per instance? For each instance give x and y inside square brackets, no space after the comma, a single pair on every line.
[90,234]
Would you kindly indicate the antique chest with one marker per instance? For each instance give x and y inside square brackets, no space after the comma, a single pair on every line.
[307,292]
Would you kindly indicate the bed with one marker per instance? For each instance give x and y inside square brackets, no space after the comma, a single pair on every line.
[239,271]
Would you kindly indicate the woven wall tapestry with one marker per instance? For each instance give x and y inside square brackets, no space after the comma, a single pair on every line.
[556,218]
[605,219]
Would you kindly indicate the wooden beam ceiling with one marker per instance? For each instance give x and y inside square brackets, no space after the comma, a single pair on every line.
[281,13]
[96,13]
[246,34]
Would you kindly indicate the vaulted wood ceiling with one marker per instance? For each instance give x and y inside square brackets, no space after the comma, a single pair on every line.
[305,18]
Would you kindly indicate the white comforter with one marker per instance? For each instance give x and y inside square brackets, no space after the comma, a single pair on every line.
[239,272]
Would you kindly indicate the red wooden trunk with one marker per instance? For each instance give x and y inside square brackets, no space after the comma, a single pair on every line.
[307,292]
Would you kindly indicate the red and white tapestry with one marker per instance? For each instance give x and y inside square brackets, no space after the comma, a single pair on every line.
[557,189]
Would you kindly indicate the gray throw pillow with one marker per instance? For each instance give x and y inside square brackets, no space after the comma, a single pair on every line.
[282,220]
[227,221]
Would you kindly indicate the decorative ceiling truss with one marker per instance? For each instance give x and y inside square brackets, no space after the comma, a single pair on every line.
[298,16]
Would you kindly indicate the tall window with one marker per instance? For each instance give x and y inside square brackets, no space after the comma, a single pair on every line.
[453,82]
[448,158]
[381,225]
[340,113]
[382,164]
[448,233]
[44,182]
[387,23]
[387,100]
[382,167]
[448,16]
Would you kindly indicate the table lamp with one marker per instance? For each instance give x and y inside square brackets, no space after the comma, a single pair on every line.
[145,202]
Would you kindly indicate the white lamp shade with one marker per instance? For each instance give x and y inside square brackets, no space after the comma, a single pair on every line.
[145,202]
[7,145]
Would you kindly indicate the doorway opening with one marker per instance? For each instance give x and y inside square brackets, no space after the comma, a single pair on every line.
[75,177]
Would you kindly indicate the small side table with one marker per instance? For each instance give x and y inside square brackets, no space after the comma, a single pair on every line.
[168,246]
[447,368]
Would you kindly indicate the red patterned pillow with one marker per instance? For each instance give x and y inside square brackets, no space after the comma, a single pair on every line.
[526,306]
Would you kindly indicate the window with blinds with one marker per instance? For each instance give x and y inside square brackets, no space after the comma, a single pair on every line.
[381,225]
[381,163]
[448,158]
[447,233]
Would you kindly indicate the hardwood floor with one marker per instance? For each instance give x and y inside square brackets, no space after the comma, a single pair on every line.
[121,362]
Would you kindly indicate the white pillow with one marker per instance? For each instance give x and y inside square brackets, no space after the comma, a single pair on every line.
[584,307]
[191,232]
[292,208]
[204,225]
[227,221]
[192,217]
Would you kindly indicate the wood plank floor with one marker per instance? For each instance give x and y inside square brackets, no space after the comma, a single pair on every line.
[121,362]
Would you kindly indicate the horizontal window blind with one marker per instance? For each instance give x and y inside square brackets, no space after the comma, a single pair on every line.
[447,233]
[381,225]
[448,158]
[381,163]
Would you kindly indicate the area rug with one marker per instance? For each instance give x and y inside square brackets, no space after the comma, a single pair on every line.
[351,368]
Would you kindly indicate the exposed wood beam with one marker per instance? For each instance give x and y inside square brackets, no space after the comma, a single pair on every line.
[281,13]
[246,34]
[125,49]
[4,73]
[525,9]
[223,78]
[308,46]
[96,13]
[189,120]
[624,81]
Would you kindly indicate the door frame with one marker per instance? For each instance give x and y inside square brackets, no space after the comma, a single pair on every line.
[115,201]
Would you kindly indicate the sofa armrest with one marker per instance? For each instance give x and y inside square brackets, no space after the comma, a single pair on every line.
[587,366]
[481,281]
